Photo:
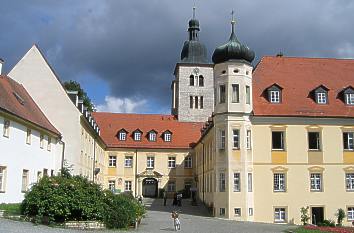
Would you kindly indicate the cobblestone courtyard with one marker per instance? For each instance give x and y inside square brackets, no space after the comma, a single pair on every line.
[194,219]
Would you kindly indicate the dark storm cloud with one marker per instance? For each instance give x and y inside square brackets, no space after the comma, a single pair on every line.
[134,45]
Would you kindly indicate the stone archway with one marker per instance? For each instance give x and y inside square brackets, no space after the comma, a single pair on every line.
[150,187]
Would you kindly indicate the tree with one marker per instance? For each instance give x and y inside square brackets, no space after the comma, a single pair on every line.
[75,86]
[305,215]
[340,216]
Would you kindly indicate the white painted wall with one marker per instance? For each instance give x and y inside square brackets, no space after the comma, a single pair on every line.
[16,155]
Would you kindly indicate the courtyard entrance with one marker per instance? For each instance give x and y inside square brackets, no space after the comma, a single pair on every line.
[150,187]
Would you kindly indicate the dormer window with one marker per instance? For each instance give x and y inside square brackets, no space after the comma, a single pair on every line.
[152,136]
[274,94]
[347,95]
[321,95]
[122,135]
[349,99]
[167,136]
[137,135]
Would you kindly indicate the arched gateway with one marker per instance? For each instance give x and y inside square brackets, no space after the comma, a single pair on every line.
[150,187]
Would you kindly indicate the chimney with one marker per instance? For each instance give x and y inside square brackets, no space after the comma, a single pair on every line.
[73,95]
[1,63]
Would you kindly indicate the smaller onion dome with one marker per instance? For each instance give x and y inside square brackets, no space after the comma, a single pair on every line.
[193,24]
[233,50]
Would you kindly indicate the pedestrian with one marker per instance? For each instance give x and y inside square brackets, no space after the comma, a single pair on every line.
[164,197]
[176,222]
[174,203]
[179,199]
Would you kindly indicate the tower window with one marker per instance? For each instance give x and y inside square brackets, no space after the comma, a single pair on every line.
[222,94]
[235,93]
[248,95]
[201,102]
[201,81]
[191,80]
[190,101]
[196,102]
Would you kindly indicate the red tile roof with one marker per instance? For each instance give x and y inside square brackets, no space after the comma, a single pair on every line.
[184,134]
[298,77]
[15,100]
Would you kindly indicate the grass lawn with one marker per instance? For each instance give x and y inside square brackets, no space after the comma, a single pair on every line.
[11,209]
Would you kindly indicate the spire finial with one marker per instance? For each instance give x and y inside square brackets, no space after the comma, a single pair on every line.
[193,12]
[233,21]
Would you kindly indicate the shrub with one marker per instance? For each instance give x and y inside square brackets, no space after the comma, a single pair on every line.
[305,215]
[340,216]
[327,223]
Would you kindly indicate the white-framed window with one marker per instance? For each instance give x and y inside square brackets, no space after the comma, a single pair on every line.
[122,135]
[2,179]
[349,181]
[6,130]
[250,211]
[152,136]
[127,185]
[150,162]
[137,136]
[248,139]
[222,139]
[278,140]
[188,162]
[237,182]
[236,138]
[171,186]
[171,162]
[222,211]
[248,95]
[348,140]
[314,140]
[315,182]
[112,161]
[167,136]
[349,99]
[222,94]
[279,214]
[128,161]
[49,145]
[279,182]
[235,98]
[350,213]
[249,182]
[41,141]
[112,185]
[28,136]
[237,212]
[25,179]
[222,182]
[275,96]
[321,98]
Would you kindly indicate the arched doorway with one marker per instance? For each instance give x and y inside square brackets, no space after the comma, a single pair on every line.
[150,188]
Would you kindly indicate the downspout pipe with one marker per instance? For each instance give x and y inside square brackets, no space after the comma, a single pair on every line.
[136,173]
[62,154]
[203,172]
[94,160]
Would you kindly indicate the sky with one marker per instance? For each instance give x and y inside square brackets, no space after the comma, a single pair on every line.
[123,52]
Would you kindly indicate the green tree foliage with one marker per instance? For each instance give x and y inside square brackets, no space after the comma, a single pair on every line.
[305,215]
[75,86]
[340,216]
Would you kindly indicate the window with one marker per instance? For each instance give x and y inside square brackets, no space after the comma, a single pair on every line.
[222,182]
[150,162]
[248,139]
[278,140]
[275,96]
[236,138]
[152,136]
[6,130]
[171,162]
[191,80]
[39,175]
[171,186]
[128,162]
[191,101]
[28,136]
[237,212]
[250,211]
[112,185]
[2,178]
[167,136]
[188,162]
[350,213]
[349,181]
[249,182]
[222,94]
[315,181]
[279,215]
[122,135]
[112,161]
[45,172]
[235,93]
[41,141]
[127,185]
[222,139]
[222,211]
[237,186]
[321,98]
[24,181]
[314,140]
[349,99]
[49,145]
[248,95]
[201,81]
[348,140]
[279,182]
[196,102]
[201,102]
[137,136]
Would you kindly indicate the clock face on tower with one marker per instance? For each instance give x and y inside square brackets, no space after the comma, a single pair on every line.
[196,71]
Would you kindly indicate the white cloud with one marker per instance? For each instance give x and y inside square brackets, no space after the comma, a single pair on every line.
[122,105]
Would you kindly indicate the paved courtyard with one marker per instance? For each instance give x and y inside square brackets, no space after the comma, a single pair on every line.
[194,219]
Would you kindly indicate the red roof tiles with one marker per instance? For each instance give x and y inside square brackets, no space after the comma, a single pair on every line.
[184,134]
[298,77]
[15,100]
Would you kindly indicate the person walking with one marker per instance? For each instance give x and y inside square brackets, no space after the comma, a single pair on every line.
[164,197]
[176,222]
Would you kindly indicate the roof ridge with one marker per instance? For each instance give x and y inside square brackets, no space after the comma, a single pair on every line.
[309,58]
